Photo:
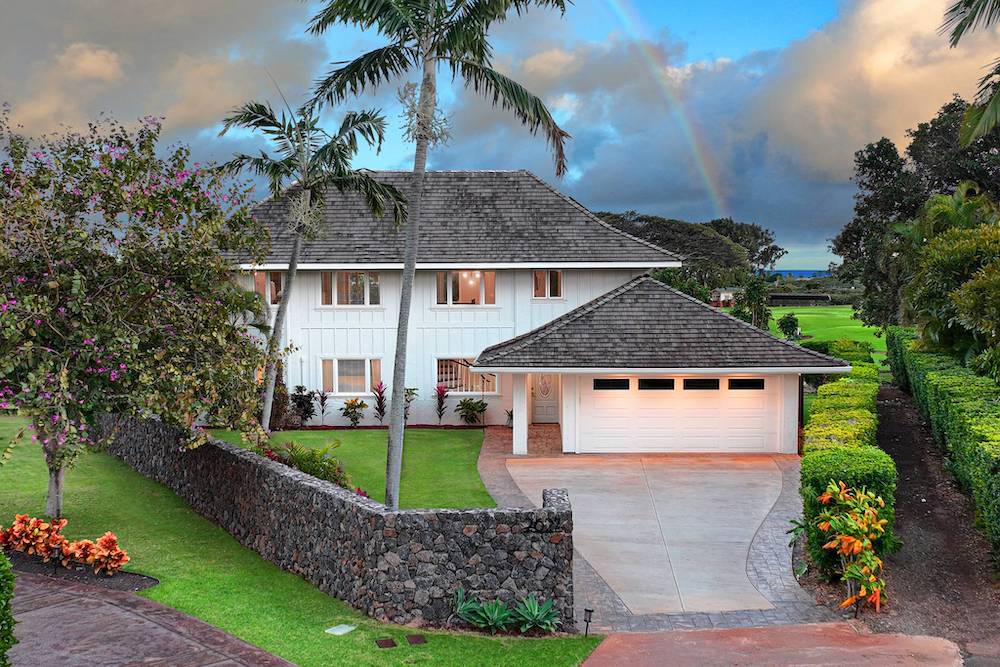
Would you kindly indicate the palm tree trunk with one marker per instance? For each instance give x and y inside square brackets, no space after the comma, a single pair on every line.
[274,342]
[397,425]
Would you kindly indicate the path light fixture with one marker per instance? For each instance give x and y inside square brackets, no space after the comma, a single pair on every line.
[588,615]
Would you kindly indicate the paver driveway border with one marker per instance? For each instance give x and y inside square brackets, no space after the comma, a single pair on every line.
[769,561]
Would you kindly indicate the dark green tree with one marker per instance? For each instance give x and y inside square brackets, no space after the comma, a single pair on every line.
[762,252]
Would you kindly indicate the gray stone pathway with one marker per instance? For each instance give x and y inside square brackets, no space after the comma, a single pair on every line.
[768,567]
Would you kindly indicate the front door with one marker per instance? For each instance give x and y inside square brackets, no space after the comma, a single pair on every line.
[545,398]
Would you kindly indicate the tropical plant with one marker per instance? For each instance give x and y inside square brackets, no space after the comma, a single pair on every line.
[114,295]
[279,404]
[471,410]
[408,398]
[441,396]
[314,161]
[788,325]
[381,404]
[303,404]
[7,638]
[750,303]
[529,615]
[962,18]
[35,537]
[319,463]
[421,36]
[323,402]
[852,523]
[354,411]
[466,608]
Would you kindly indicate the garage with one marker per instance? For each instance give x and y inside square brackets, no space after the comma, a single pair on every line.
[646,368]
[678,414]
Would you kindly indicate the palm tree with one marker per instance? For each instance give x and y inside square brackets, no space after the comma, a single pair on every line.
[422,34]
[962,18]
[313,160]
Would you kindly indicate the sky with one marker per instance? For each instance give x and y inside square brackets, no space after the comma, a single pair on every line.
[687,110]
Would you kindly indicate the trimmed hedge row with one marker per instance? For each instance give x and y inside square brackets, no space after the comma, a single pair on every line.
[7,639]
[842,348]
[839,445]
[963,409]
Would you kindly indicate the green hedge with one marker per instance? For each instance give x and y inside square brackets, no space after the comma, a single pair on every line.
[7,639]
[842,348]
[839,445]
[864,466]
[963,409]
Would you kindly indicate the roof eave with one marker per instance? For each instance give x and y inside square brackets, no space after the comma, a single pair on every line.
[387,266]
[720,370]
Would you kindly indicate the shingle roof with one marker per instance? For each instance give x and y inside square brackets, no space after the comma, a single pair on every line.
[646,324]
[468,217]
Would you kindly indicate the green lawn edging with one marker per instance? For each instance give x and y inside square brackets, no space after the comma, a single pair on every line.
[839,444]
[963,409]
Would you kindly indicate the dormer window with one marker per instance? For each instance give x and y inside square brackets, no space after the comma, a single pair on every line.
[466,287]
[548,284]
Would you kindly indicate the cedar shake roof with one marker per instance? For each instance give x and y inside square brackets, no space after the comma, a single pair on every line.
[646,324]
[471,217]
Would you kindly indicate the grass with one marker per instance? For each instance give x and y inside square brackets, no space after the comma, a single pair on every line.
[204,572]
[439,465]
[832,323]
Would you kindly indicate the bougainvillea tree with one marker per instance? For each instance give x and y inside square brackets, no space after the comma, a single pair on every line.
[114,295]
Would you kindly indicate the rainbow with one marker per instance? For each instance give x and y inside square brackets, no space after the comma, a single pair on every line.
[631,21]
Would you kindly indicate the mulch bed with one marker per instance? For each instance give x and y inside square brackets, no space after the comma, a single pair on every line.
[942,581]
[119,581]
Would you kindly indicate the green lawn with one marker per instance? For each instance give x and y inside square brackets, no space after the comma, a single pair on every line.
[831,323]
[203,571]
[439,465]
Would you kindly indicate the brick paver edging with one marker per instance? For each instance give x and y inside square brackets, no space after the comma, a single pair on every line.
[63,622]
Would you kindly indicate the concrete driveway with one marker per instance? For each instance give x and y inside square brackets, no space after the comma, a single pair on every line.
[667,533]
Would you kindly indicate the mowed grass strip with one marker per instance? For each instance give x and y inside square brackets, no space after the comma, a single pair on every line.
[204,572]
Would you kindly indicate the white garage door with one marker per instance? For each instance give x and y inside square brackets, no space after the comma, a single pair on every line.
[677,414]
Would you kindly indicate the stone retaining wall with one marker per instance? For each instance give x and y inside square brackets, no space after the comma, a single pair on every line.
[398,566]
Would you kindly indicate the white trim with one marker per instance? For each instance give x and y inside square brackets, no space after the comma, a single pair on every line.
[548,286]
[576,370]
[444,266]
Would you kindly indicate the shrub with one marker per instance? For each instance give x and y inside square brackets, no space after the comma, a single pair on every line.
[35,537]
[279,404]
[7,639]
[440,395]
[963,409]
[472,410]
[104,556]
[303,405]
[842,348]
[322,400]
[897,339]
[838,428]
[530,615]
[788,325]
[851,520]
[409,395]
[316,462]
[857,467]
[381,403]
[353,411]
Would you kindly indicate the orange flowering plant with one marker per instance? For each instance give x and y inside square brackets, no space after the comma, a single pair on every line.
[851,521]
[37,537]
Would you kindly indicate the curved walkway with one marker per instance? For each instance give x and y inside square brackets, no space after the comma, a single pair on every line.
[768,594]
[68,623]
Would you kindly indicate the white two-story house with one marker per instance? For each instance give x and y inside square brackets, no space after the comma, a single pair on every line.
[527,300]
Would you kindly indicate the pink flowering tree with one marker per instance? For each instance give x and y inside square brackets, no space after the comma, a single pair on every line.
[115,296]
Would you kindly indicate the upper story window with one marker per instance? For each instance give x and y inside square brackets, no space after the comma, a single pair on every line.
[466,287]
[548,284]
[456,375]
[353,288]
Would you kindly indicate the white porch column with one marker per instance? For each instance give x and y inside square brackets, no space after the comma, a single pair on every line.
[520,408]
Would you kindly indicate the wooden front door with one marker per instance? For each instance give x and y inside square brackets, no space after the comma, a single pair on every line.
[545,398]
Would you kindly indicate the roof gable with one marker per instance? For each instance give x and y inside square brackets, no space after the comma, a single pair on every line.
[472,217]
[646,324]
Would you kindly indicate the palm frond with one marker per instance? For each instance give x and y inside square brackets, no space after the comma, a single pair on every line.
[465,32]
[379,197]
[277,172]
[368,124]
[510,95]
[396,19]
[965,16]
[984,114]
[369,70]
[254,116]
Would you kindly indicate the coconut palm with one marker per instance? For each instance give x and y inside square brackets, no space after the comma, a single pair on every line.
[314,161]
[962,18]
[420,36]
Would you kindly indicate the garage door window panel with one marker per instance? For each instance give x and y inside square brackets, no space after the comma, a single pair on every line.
[701,384]
[750,384]
[611,384]
[656,384]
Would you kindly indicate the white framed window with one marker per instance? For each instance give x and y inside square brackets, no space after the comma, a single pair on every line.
[350,288]
[459,378]
[466,287]
[350,376]
[547,284]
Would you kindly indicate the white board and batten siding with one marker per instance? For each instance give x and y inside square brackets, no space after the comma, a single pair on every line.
[680,420]
[319,332]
